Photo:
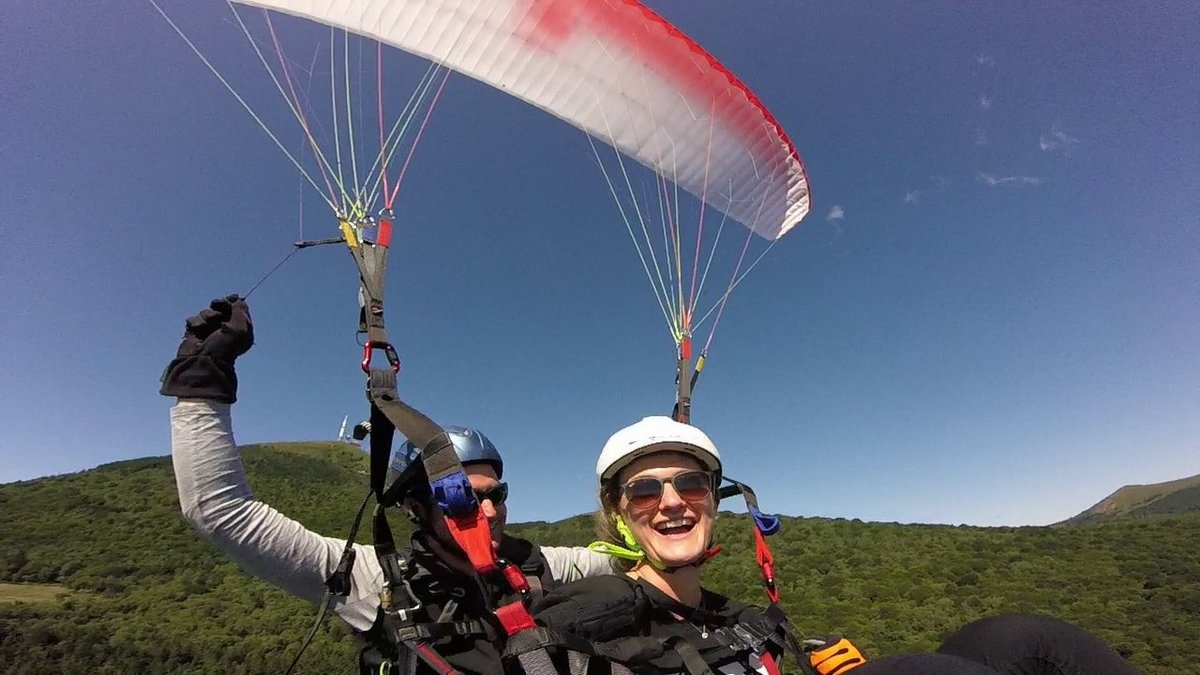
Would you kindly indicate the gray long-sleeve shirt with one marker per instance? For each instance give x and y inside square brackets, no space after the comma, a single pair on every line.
[217,502]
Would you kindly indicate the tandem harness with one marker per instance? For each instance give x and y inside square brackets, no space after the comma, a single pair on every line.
[451,526]
[441,616]
[486,626]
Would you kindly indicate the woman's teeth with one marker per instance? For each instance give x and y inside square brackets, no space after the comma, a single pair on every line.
[681,526]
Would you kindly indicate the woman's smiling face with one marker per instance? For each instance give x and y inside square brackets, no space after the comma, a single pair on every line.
[675,530]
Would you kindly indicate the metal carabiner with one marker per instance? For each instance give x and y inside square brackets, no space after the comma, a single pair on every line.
[388,350]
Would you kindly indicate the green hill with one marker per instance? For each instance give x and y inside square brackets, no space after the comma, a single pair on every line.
[142,593]
[1177,496]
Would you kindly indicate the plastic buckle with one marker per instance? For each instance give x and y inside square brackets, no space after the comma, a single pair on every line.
[835,656]
[454,494]
[388,350]
[768,525]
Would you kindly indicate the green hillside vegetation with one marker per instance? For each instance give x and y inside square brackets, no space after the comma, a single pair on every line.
[145,594]
[1177,496]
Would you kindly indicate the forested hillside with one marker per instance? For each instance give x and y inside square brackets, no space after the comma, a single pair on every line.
[142,593]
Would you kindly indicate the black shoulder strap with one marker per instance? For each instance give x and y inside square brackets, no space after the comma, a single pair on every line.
[529,557]
[693,661]
[515,550]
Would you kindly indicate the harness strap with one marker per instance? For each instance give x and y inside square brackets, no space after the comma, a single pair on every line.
[452,493]
[540,637]
[537,662]
[531,650]
[773,615]
[684,383]
[764,526]
[766,563]
[693,662]
[770,664]
[536,589]
[432,632]
[412,641]
[453,500]
[432,659]
[577,662]
[620,669]
[740,636]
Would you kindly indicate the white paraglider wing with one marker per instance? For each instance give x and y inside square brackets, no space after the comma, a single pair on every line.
[615,70]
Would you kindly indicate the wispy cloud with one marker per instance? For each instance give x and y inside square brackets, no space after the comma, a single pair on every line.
[985,60]
[836,213]
[992,180]
[985,101]
[981,137]
[1056,140]
[940,183]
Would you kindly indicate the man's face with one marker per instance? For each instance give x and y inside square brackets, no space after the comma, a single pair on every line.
[483,479]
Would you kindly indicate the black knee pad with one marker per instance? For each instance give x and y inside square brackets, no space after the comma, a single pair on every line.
[1028,644]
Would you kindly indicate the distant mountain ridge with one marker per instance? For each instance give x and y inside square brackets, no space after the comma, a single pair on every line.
[1176,496]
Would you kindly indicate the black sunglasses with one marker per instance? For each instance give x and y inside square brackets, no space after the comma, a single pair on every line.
[692,486]
[496,495]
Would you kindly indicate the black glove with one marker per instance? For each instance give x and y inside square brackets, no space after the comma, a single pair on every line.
[212,340]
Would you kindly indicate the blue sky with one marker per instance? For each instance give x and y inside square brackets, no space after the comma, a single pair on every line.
[991,316]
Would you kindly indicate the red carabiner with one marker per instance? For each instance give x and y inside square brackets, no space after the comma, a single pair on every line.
[388,350]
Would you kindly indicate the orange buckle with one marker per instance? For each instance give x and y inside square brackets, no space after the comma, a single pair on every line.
[837,658]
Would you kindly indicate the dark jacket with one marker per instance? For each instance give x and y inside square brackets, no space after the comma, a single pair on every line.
[634,623]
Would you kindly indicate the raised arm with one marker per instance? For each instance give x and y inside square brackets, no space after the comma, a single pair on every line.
[211,481]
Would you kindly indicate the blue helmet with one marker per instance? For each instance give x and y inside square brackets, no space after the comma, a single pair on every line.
[471,446]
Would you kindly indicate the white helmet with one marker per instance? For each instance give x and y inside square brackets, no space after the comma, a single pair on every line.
[651,435]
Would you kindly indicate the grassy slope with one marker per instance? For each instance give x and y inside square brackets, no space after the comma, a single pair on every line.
[30,592]
[1177,496]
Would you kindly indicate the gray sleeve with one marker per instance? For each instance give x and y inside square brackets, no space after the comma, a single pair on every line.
[572,563]
[217,503]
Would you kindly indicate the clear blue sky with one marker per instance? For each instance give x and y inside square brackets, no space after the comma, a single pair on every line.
[992,315]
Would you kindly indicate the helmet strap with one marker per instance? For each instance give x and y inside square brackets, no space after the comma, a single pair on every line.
[632,550]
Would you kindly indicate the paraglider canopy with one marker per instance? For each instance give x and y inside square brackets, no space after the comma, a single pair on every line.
[614,69]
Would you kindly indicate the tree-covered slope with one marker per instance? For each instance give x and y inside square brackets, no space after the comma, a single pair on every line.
[148,595]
